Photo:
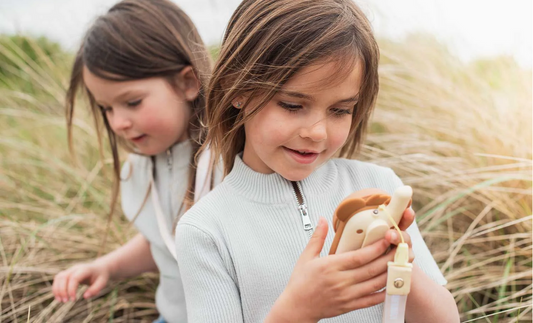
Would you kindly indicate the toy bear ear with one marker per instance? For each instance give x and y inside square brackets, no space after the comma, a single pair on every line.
[348,207]
[378,199]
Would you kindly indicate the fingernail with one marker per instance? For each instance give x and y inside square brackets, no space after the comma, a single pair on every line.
[393,235]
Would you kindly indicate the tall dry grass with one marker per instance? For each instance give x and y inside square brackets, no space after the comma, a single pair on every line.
[460,134]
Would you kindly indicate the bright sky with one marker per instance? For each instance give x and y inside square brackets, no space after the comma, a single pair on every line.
[471,28]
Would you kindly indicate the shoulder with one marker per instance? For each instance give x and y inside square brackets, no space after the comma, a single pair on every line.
[205,210]
[205,222]
[367,174]
[135,177]
[216,212]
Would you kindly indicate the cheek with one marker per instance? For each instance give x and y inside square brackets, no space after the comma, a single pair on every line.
[277,134]
[339,133]
[164,118]
[267,127]
[149,121]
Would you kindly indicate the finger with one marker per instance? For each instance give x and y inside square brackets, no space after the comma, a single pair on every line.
[95,287]
[74,281]
[370,270]
[368,300]
[61,289]
[55,285]
[355,259]
[393,237]
[316,243]
[369,286]
[408,218]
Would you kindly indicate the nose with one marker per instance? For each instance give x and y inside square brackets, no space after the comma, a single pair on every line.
[119,120]
[316,131]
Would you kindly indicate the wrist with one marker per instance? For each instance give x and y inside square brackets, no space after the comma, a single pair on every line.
[285,310]
[106,264]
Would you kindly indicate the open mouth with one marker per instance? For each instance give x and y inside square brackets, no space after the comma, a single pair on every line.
[138,138]
[302,156]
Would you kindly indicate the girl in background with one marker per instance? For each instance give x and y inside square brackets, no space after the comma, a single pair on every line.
[295,84]
[143,67]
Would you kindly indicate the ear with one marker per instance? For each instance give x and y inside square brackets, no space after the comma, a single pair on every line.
[348,207]
[188,83]
[378,199]
[238,102]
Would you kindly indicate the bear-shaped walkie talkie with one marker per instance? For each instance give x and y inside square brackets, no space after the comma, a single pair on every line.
[358,221]
[362,219]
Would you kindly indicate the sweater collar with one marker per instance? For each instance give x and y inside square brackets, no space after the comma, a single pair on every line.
[273,188]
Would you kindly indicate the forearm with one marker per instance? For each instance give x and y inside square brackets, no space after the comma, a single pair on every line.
[130,260]
[429,302]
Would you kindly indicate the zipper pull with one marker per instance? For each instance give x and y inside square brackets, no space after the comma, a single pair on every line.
[305,217]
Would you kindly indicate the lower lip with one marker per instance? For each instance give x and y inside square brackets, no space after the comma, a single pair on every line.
[138,139]
[302,159]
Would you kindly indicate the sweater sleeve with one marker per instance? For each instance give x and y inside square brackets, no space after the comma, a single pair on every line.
[211,293]
[423,257]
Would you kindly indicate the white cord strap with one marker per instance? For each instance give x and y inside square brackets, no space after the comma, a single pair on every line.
[161,223]
[204,171]
[398,280]
[201,188]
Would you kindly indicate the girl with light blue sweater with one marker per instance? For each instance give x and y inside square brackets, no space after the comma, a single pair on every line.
[295,85]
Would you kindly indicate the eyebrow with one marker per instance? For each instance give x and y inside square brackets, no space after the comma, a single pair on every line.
[299,95]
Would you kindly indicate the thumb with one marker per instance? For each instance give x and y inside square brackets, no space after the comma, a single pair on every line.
[95,287]
[316,243]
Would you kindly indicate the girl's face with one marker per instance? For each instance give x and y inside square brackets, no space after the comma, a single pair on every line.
[304,124]
[149,113]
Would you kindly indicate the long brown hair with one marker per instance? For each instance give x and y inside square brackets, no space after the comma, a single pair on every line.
[138,39]
[267,42]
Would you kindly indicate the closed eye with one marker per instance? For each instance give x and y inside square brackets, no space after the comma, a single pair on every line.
[339,112]
[134,103]
[289,106]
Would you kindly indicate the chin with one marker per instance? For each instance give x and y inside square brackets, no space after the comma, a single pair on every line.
[295,175]
[149,151]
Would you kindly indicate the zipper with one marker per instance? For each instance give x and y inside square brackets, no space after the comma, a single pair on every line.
[302,208]
[169,160]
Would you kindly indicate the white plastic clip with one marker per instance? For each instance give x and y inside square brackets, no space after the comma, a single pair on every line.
[398,286]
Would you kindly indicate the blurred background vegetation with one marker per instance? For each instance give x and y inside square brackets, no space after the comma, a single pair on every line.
[459,133]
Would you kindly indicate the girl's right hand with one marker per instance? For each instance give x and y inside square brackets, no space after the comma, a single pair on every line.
[333,285]
[95,274]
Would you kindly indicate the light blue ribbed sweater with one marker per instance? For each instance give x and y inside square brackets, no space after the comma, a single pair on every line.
[237,247]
